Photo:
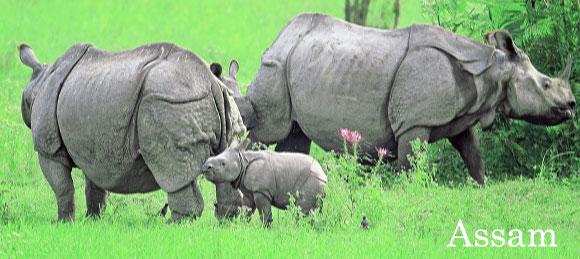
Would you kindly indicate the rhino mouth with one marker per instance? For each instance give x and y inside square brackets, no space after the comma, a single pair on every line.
[208,174]
[565,113]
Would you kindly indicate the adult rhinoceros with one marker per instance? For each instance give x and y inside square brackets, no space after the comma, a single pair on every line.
[132,121]
[322,74]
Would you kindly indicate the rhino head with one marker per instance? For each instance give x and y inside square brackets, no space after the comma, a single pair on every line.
[244,105]
[531,95]
[229,80]
[227,166]
[222,170]
[28,58]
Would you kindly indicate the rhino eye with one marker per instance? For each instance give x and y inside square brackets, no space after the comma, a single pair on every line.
[546,85]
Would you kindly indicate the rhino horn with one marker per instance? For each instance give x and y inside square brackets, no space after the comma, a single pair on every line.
[566,74]
[28,57]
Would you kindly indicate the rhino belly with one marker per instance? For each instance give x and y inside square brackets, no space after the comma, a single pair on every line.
[342,80]
[138,179]
[291,171]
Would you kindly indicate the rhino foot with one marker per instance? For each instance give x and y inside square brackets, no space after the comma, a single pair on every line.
[185,203]
[96,199]
[178,218]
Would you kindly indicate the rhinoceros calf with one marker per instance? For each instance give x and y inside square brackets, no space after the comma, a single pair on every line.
[132,121]
[322,74]
[268,178]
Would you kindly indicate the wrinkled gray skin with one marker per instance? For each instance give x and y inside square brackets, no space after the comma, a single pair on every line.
[230,81]
[322,74]
[229,201]
[133,121]
[268,178]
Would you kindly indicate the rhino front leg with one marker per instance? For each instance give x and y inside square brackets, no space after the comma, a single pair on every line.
[229,201]
[185,203]
[264,206]
[467,143]
[60,180]
[295,142]
[404,145]
[96,198]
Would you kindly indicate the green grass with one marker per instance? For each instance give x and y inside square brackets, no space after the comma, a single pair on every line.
[407,219]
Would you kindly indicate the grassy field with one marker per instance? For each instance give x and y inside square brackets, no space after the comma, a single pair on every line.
[408,218]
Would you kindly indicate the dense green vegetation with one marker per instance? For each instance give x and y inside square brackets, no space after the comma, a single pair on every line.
[547,31]
[534,183]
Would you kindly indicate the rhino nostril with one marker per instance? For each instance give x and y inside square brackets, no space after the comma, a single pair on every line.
[572,104]
[205,168]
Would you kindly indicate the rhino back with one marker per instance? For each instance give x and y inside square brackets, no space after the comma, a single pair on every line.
[340,76]
[99,102]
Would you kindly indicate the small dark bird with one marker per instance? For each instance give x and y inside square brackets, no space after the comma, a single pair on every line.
[163,211]
[364,223]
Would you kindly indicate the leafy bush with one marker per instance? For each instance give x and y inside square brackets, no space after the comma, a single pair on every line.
[547,31]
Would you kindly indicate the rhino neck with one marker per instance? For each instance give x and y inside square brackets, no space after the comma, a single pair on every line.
[246,110]
[243,168]
[506,75]
[497,79]
[245,162]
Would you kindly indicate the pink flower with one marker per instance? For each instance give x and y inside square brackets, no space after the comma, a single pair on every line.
[345,133]
[383,152]
[355,137]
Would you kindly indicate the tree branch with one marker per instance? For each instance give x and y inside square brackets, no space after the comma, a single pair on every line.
[397,13]
[347,11]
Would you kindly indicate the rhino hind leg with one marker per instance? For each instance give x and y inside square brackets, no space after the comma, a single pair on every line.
[96,198]
[467,143]
[60,180]
[308,198]
[404,145]
[296,141]
[185,203]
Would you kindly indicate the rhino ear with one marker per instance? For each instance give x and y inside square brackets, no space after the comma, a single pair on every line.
[503,41]
[490,39]
[216,69]
[234,66]
[28,58]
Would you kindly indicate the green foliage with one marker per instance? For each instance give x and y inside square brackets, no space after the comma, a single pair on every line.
[423,170]
[381,14]
[547,31]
